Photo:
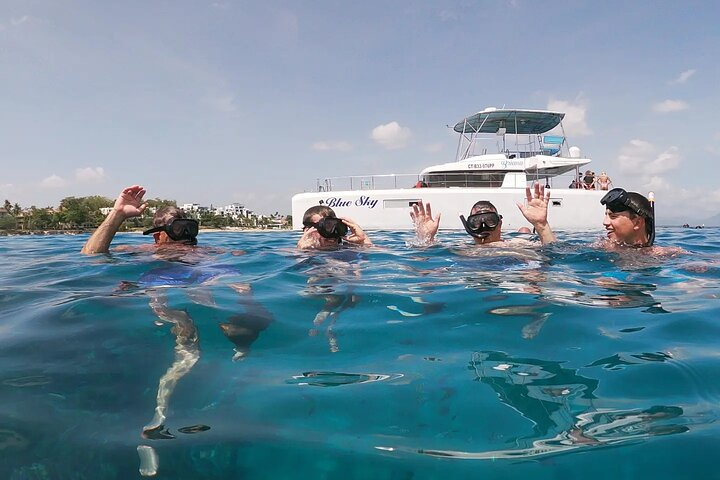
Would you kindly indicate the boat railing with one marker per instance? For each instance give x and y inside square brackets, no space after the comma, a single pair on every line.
[368,182]
[436,180]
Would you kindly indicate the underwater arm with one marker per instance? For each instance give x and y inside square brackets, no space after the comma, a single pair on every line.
[128,204]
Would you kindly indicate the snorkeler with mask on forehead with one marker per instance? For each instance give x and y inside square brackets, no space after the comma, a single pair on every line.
[484,224]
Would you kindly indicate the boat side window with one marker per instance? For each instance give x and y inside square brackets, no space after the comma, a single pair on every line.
[464,179]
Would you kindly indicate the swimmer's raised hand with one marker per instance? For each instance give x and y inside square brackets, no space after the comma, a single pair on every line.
[536,212]
[357,235]
[426,226]
[130,202]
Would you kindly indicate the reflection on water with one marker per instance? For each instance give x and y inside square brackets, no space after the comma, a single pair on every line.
[432,353]
[334,379]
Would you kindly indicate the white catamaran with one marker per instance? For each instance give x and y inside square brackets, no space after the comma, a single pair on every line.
[524,151]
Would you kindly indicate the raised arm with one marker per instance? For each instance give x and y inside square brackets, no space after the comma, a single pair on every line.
[357,235]
[128,204]
[536,212]
[425,226]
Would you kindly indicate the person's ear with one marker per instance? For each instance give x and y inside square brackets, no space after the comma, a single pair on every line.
[638,223]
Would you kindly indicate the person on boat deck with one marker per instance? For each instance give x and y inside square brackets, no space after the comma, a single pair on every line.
[484,223]
[589,180]
[322,229]
[171,227]
[604,182]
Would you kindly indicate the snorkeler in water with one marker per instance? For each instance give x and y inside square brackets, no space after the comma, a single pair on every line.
[484,223]
[171,227]
[322,229]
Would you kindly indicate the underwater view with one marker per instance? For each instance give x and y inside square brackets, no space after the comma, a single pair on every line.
[254,360]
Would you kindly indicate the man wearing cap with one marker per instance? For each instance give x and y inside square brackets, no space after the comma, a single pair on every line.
[484,222]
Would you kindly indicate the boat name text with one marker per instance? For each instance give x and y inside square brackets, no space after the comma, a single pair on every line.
[363,201]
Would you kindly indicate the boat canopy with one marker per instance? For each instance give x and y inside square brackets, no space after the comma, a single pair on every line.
[517,122]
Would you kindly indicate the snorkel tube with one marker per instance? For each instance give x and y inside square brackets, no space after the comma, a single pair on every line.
[481,235]
[650,222]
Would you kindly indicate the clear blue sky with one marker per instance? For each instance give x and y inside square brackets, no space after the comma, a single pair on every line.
[221,101]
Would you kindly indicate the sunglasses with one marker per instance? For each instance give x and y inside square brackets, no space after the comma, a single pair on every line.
[178,229]
[618,200]
[479,224]
[329,227]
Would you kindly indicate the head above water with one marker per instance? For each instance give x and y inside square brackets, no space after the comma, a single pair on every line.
[483,223]
[175,224]
[639,210]
[324,220]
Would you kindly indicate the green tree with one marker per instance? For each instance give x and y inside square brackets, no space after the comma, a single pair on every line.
[8,206]
[16,210]
[8,222]
[40,218]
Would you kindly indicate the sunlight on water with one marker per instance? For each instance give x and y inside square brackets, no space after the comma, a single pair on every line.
[259,361]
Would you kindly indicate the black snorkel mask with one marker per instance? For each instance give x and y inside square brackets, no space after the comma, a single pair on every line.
[179,229]
[480,225]
[618,200]
[329,227]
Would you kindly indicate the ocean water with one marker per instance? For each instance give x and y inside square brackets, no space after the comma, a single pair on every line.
[396,362]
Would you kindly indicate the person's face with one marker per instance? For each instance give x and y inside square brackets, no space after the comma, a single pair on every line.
[622,227]
[494,234]
[322,241]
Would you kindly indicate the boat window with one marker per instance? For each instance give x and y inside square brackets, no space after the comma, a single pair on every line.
[464,179]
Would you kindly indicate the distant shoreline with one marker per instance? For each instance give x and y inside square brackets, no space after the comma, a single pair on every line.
[6,233]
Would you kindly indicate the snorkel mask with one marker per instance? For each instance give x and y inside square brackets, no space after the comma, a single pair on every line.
[618,200]
[179,229]
[329,227]
[480,225]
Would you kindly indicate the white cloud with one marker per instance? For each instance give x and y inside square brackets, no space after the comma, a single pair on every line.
[391,135]
[433,148]
[684,76]
[19,21]
[448,15]
[332,146]
[53,181]
[574,123]
[643,159]
[668,106]
[90,174]
[221,103]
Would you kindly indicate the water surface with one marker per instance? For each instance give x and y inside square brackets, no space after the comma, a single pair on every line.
[391,362]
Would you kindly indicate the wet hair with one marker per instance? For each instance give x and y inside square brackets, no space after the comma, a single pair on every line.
[165,214]
[322,210]
[483,206]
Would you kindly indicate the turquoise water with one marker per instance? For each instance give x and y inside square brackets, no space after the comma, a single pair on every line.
[389,363]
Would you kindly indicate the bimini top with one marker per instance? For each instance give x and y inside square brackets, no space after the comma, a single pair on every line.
[522,122]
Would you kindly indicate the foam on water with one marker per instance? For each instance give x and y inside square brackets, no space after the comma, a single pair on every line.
[392,362]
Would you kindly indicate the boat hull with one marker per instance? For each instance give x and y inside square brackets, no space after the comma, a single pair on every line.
[569,209]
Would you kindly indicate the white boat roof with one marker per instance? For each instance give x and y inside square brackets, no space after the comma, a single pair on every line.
[514,121]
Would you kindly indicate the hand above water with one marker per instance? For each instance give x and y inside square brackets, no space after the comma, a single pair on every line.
[536,212]
[356,235]
[425,226]
[130,202]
